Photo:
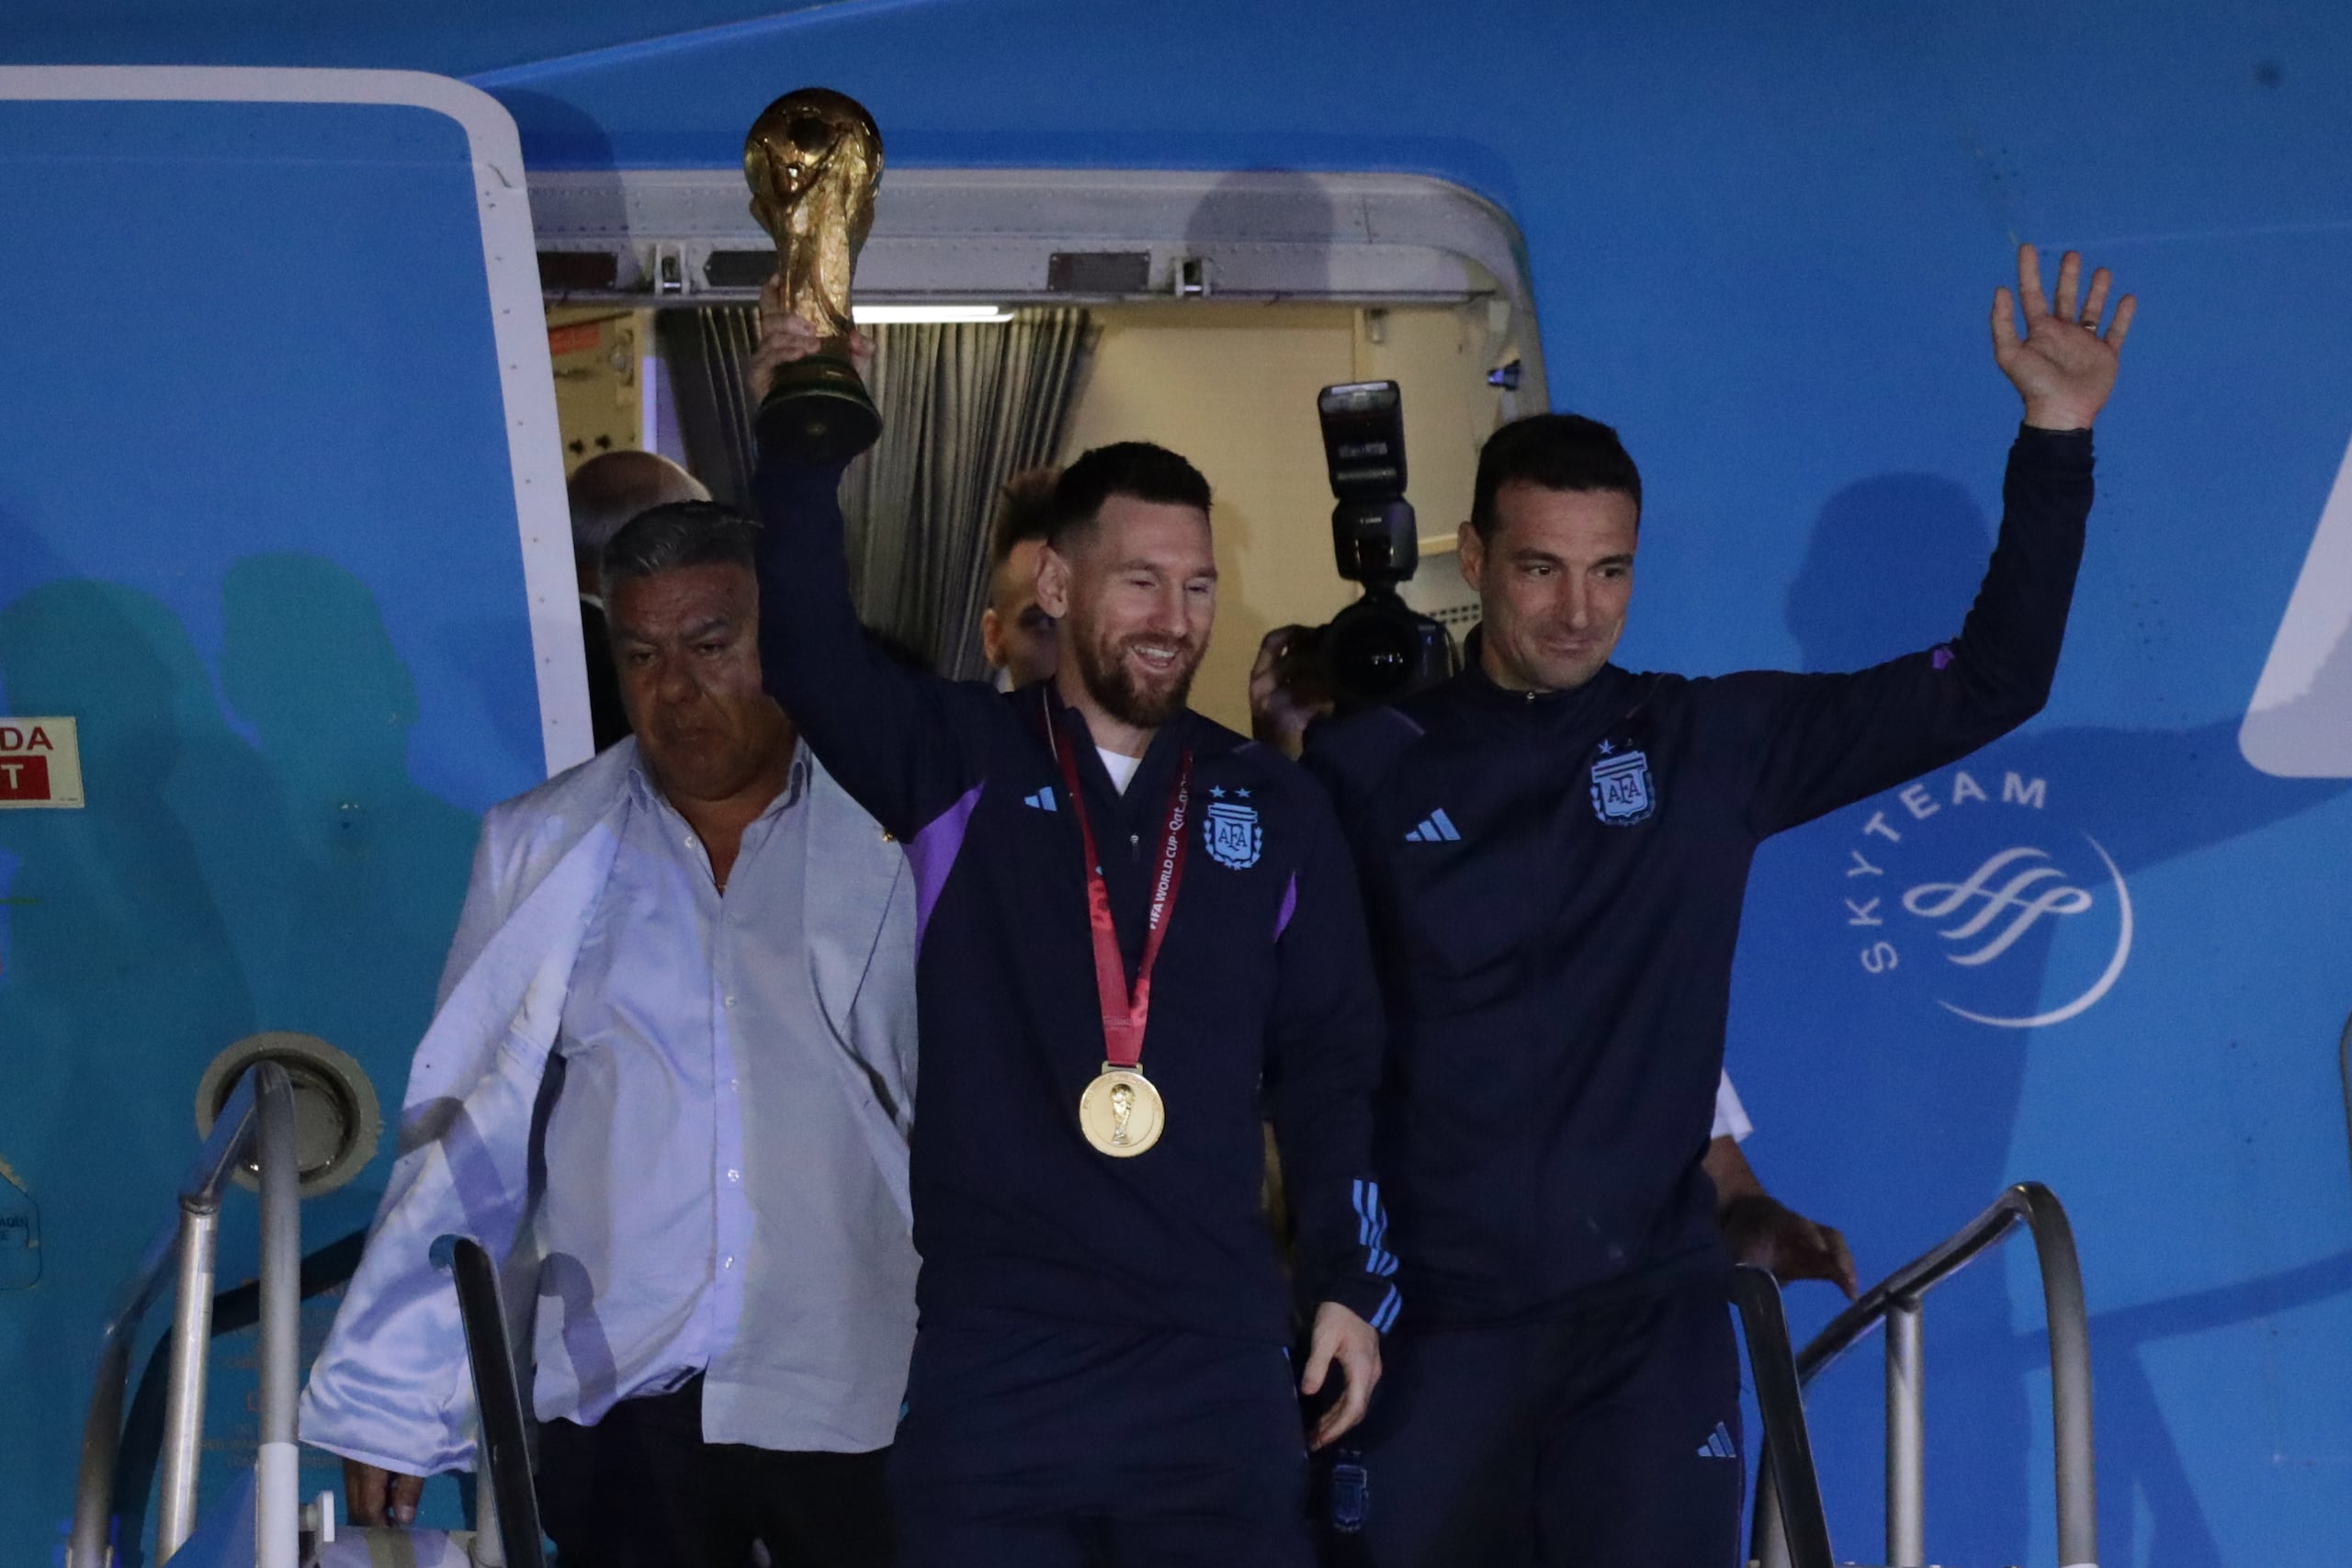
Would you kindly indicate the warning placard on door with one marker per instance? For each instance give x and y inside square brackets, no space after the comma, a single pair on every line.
[40,763]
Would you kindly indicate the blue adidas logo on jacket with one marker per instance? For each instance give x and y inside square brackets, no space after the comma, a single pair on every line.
[1436,827]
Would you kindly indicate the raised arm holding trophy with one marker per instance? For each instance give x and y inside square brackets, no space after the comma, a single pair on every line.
[814,160]
[1101,1365]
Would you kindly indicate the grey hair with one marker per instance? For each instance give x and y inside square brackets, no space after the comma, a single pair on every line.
[673,538]
[611,488]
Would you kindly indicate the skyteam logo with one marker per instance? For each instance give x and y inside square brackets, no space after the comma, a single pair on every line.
[1622,795]
[1231,832]
[1970,892]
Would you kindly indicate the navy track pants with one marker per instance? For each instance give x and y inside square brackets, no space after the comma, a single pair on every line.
[1611,1439]
[1029,1443]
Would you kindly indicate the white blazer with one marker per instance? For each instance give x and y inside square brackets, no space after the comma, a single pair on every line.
[392,1387]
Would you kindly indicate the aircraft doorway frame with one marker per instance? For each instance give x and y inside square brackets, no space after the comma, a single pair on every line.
[1014,237]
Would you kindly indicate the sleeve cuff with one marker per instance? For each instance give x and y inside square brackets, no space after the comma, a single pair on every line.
[784,476]
[1369,1296]
[2054,449]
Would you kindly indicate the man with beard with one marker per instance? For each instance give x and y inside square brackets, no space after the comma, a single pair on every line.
[1138,931]
[1555,850]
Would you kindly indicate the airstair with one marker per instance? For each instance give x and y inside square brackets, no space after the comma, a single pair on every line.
[1786,1536]
[263,1523]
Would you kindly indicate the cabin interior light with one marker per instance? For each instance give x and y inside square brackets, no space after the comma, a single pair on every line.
[897,315]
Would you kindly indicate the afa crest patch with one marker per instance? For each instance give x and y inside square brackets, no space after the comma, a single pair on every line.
[1232,834]
[1621,791]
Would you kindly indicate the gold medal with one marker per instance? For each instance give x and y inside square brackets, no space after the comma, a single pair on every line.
[1121,1113]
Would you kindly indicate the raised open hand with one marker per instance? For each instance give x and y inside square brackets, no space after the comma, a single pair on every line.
[2064,366]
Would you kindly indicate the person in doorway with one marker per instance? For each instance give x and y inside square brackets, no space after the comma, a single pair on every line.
[1113,893]
[606,493]
[1017,636]
[1558,966]
[671,1079]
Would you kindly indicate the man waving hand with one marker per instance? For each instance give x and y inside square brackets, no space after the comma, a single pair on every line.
[1554,851]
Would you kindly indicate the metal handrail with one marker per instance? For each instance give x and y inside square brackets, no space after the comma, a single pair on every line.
[1898,1300]
[255,1125]
[1795,1488]
[233,1311]
[512,1522]
[277,1463]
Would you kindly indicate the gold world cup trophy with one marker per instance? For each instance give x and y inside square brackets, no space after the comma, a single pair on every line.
[814,161]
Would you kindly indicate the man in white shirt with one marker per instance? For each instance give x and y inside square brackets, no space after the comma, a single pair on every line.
[709,1070]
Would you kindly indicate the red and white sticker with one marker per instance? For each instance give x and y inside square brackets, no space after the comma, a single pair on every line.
[40,763]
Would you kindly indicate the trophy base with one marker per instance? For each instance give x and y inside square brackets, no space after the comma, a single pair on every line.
[817,412]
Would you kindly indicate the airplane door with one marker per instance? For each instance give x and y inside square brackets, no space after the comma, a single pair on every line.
[282,533]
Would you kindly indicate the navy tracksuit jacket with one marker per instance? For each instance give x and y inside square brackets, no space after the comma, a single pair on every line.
[1263,1002]
[1555,883]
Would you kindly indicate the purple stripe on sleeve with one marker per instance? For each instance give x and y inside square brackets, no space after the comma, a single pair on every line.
[933,854]
[1290,908]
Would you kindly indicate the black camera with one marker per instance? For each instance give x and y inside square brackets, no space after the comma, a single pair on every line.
[1378,649]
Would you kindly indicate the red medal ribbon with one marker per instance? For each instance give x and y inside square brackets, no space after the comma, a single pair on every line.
[1124,1013]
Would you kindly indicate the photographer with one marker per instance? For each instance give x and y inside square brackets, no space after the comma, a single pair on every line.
[1378,649]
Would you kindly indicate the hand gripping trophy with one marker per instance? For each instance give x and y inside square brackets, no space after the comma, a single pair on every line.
[814,161]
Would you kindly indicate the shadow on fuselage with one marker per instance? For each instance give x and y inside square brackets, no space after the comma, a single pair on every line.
[217,884]
[1924,1111]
